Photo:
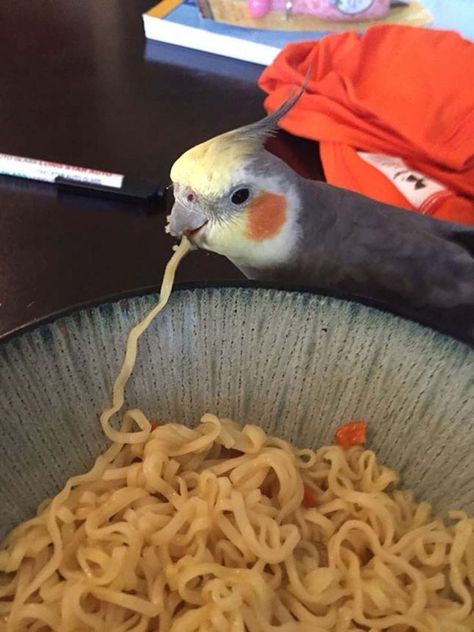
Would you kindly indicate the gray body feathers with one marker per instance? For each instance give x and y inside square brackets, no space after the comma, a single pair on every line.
[418,266]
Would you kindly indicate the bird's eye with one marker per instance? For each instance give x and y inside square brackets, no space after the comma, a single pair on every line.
[240,196]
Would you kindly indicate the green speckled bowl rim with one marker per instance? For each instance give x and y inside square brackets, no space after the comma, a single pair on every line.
[202,285]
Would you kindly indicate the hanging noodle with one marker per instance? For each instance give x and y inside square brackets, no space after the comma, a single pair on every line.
[223,528]
[131,355]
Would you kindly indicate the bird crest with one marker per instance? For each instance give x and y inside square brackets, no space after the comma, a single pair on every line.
[215,164]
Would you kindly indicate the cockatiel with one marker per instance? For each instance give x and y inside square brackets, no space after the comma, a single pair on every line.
[235,198]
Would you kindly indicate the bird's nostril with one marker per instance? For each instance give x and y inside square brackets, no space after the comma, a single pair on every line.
[190,197]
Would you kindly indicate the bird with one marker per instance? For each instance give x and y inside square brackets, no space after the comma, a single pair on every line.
[235,198]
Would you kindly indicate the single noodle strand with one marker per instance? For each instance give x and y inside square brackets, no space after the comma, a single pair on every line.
[118,391]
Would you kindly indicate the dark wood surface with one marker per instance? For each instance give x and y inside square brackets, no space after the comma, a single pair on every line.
[79,85]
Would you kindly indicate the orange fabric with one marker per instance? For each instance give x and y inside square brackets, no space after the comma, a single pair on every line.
[395,90]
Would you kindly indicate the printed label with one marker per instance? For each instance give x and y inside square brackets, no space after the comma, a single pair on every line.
[417,188]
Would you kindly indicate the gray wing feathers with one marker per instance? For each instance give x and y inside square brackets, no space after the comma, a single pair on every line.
[420,266]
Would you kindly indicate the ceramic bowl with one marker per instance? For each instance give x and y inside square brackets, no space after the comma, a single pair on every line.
[298,364]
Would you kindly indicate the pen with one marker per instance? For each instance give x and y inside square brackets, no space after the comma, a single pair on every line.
[81,180]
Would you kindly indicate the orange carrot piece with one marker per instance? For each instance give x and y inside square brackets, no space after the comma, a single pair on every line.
[352,433]
[309,497]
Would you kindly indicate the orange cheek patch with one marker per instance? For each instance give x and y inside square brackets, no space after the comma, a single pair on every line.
[266,215]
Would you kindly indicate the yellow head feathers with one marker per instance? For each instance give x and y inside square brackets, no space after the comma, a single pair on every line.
[214,166]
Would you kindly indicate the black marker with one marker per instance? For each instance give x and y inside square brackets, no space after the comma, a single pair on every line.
[130,190]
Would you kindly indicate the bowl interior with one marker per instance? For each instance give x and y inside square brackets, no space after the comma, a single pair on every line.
[298,364]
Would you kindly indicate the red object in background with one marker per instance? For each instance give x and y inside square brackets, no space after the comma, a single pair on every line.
[352,433]
[398,91]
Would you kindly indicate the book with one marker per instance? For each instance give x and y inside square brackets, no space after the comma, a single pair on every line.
[179,22]
[183,23]
[202,62]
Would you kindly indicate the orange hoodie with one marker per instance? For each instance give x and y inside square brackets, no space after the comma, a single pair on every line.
[394,92]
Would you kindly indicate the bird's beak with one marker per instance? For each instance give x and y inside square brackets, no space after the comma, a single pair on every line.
[183,220]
